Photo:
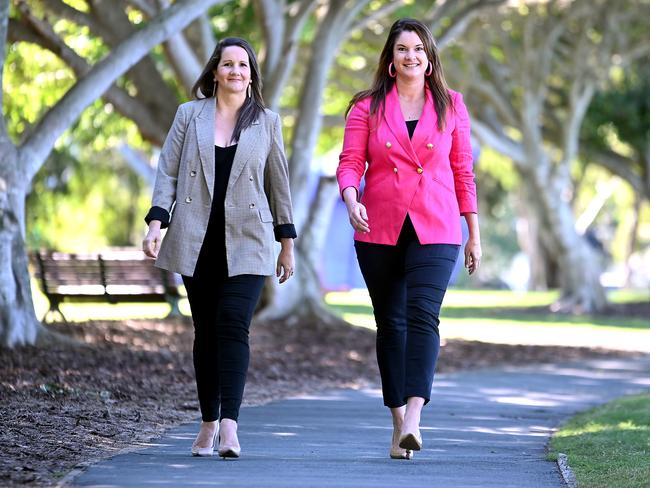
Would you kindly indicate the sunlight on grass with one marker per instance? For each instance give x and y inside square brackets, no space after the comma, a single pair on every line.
[81,312]
[609,445]
[493,316]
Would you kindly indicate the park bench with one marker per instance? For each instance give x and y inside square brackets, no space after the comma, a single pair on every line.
[114,276]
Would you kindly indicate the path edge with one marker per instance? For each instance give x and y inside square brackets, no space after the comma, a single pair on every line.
[567,474]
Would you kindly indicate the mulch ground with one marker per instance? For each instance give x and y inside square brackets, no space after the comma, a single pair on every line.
[126,382]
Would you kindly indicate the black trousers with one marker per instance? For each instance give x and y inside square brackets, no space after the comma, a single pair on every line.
[407,283]
[222,309]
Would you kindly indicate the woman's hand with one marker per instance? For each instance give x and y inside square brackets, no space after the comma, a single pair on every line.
[286,264]
[356,210]
[472,254]
[151,242]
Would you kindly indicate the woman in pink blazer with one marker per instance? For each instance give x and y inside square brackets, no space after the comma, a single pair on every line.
[409,134]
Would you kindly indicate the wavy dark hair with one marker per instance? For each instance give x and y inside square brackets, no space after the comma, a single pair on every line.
[254,104]
[383,83]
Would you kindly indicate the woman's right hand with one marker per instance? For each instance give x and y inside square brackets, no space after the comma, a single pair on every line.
[358,217]
[151,242]
[356,210]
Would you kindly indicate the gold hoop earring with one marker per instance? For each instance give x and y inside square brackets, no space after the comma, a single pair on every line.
[429,69]
[392,74]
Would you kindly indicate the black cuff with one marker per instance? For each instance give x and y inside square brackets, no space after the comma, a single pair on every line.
[284,231]
[158,213]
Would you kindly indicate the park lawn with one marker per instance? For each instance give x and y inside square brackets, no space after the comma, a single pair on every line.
[609,445]
[501,316]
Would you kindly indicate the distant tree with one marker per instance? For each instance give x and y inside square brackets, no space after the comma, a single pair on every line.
[531,74]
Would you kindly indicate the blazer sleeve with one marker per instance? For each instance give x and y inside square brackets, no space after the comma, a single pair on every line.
[164,190]
[276,185]
[461,160]
[353,157]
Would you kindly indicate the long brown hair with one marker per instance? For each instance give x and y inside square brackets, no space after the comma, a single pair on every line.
[254,104]
[383,83]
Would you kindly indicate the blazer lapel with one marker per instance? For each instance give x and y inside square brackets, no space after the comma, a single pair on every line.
[249,140]
[204,124]
[395,120]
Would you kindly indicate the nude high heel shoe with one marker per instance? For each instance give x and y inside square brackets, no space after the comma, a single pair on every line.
[205,451]
[411,440]
[399,452]
[229,451]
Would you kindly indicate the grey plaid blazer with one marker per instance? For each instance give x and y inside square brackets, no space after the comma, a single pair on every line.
[257,196]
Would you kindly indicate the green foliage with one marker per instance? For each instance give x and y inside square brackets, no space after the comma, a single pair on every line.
[34,79]
[609,445]
[84,197]
[620,115]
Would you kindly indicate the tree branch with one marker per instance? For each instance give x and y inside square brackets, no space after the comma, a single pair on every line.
[36,147]
[63,10]
[460,20]
[498,141]
[42,34]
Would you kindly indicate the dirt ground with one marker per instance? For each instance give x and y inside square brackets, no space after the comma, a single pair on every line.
[126,382]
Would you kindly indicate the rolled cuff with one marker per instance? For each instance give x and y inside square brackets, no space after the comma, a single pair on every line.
[467,205]
[284,231]
[343,188]
[158,213]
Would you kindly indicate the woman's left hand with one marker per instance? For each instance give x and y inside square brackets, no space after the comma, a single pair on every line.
[286,264]
[472,254]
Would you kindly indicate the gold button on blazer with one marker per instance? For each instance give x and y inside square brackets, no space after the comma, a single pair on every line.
[257,195]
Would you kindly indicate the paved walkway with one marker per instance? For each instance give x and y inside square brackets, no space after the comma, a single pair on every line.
[483,429]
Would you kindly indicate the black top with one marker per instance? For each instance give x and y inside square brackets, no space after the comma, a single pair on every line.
[212,258]
[223,159]
[410,125]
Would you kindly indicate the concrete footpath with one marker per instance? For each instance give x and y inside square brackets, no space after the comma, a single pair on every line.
[482,429]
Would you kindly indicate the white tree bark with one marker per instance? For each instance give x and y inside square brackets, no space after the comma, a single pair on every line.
[18,165]
[552,57]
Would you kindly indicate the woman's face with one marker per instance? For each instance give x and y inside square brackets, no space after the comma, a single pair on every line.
[233,73]
[409,57]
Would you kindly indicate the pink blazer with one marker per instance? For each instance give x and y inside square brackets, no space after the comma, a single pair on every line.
[429,177]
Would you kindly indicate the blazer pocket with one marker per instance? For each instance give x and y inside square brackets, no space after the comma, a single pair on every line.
[266,215]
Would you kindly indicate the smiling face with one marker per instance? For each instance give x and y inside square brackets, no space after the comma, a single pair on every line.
[409,56]
[233,73]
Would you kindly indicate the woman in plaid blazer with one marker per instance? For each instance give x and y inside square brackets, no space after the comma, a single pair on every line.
[222,192]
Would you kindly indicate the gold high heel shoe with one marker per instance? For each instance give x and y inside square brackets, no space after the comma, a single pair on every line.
[205,451]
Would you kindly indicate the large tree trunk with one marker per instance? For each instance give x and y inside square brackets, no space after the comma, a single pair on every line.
[579,266]
[18,322]
[301,298]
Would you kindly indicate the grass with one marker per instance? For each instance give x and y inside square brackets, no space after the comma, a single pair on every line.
[501,316]
[609,445]
[496,316]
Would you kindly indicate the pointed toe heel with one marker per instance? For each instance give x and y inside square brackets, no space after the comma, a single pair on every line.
[204,451]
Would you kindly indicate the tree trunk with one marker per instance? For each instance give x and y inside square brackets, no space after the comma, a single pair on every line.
[579,266]
[634,237]
[301,298]
[18,322]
